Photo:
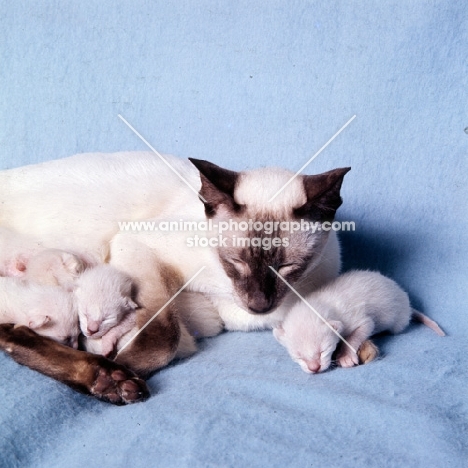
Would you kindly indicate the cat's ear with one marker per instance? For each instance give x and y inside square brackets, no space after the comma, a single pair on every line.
[218,186]
[278,333]
[337,325]
[38,321]
[323,194]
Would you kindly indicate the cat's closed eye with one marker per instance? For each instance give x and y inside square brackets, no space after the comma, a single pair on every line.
[287,268]
[239,265]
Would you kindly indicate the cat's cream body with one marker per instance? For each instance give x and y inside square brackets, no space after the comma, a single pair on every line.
[357,305]
[75,204]
[48,310]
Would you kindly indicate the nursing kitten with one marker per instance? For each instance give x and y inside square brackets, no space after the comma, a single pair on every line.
[48,310]
[356,305]
[105,306]
[22,257]
[54,267]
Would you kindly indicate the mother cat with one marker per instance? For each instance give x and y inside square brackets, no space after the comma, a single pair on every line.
[76,204]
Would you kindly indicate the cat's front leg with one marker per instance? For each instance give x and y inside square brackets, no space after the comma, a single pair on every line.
[87,373]
[157,336]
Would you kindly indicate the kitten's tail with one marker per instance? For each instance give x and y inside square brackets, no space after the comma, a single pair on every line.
[419,317]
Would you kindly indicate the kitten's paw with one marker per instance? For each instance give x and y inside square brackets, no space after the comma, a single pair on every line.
[367,352]
[348,359]
[118,386]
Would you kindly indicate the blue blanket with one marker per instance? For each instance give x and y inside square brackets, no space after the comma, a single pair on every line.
[247,84]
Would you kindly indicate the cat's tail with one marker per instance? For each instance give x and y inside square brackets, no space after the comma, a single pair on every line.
[419,317]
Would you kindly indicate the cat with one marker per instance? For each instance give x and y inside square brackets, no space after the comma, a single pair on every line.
[48,310]
[105,306]
[355,305]
[76,204]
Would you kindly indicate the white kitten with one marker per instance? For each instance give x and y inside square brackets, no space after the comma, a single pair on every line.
[48,310]
[25,258]
[105,307]
[356,305]
[54,267]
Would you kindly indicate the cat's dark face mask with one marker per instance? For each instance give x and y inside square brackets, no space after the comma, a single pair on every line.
[249,257]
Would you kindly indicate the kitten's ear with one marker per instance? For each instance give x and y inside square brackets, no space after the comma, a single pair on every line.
[218,186]
[323,194]
[38,321]
[129,304]
[337,325]
[279,333]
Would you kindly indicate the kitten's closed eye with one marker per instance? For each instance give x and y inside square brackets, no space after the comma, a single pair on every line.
[327,352]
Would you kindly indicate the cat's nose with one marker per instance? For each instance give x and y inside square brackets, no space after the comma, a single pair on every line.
[258,303]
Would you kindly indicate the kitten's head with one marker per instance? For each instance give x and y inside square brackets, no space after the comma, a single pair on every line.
[308,340]
[249,253]
[103,297]
[54,315]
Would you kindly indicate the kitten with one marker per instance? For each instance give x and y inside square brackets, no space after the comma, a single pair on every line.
[54,267]
[25,258]
[356,305]
[48,310]
[105,307]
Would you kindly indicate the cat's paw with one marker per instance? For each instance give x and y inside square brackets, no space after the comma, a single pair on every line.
[118,386]
[367,352]
[348,359]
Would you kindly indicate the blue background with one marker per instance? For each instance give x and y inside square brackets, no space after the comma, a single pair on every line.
[247,84]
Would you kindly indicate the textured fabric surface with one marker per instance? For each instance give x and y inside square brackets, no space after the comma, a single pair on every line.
[247,84]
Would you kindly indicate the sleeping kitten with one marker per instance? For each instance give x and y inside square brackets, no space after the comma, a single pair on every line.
[356,305]
[54,267]
[48,310]
[21,257]
[105,307]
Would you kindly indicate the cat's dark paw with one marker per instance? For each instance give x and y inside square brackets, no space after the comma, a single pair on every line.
[88,373]
[367,352]
[5,332]
[118,386]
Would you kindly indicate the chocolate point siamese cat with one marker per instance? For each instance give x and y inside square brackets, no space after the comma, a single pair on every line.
[80,204]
